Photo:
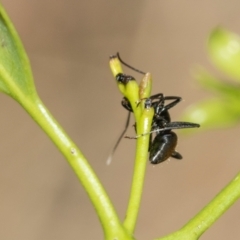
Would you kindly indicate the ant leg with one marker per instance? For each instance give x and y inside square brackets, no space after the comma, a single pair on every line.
[160,99]
[169,126]
[173,125]
[159,105]
[171,104]
[149,101]
[176,155]
[157,96]
[179,125]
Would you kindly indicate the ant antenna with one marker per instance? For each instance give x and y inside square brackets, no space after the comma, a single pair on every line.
[109,160]
[127,65]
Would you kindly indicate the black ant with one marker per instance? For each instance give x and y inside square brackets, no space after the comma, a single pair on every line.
[163,145]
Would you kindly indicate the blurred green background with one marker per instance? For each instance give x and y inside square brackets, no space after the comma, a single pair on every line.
[68,43]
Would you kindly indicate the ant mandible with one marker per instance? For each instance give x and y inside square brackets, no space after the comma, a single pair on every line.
[163,145]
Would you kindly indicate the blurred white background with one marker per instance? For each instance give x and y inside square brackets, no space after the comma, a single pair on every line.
[68,43]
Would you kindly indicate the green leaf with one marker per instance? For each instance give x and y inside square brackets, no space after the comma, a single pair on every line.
[15,73]
[213,113]
[223,88]
[224,50]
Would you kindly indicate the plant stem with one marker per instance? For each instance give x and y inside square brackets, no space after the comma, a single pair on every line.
[208,215]
[143,126]
[104,208]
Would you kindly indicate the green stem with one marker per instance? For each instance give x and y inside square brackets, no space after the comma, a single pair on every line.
[208,215]
[104,208]
[143,126]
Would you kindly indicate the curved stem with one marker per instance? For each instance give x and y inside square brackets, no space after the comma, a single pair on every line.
[104,208]
[208,215]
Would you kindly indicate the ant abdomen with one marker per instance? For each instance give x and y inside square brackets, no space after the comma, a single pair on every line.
[163,147]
